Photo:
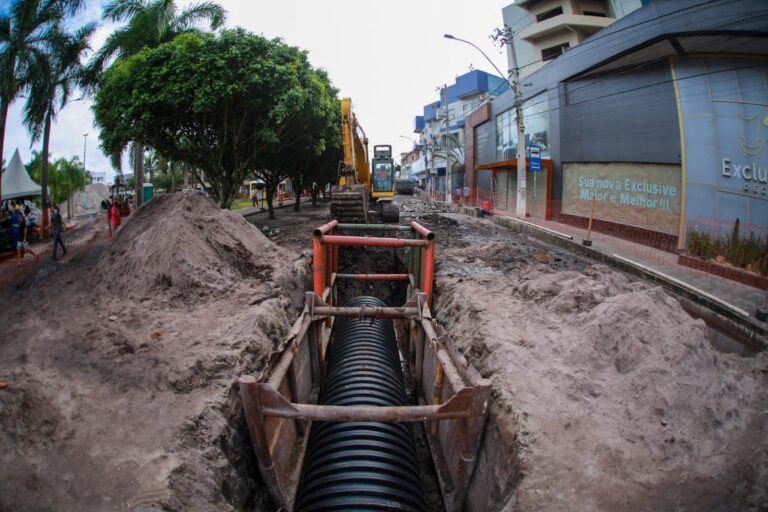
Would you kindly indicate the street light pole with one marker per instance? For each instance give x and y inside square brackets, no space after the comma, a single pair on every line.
[448,189]
[85,140]
[515,86]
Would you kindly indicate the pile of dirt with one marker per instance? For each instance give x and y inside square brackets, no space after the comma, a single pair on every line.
[88,200]
[617,398]
[185,246]
[121,376]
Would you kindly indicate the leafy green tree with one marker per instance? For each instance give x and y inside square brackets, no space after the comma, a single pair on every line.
[24,39]
[229,105]
[53,78]
[148,24]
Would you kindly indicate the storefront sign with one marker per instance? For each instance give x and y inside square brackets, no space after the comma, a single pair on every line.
[628,191]
[642,195]
[754,177]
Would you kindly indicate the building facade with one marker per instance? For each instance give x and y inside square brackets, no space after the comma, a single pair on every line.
[655,126]
[440,162]
[544,29]
[98,177]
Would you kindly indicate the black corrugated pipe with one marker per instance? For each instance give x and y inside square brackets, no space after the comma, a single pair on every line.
[362,465]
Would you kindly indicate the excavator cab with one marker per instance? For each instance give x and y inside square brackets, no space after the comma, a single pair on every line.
[383,175]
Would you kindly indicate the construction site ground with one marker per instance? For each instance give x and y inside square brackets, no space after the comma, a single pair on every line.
[121,362]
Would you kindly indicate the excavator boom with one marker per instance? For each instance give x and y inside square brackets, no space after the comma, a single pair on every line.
[349,199]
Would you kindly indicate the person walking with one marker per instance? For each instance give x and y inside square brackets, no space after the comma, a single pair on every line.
[114,215]
[467,190]
[58,227]
[19,232]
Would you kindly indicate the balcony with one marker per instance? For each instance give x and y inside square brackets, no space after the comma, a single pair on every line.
[562,23]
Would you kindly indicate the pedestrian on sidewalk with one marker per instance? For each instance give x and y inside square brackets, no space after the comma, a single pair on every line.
[58,227]
[467,190]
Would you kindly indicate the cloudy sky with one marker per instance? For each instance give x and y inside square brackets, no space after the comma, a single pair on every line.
[389,57]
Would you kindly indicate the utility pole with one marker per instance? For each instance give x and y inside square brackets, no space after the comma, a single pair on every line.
[85,139]
[445,143]
[504,37]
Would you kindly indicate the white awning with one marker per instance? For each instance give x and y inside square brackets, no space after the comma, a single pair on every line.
[16,181]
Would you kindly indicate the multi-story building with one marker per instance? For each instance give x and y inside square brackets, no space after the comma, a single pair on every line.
[441,139]
[653,129]
[98,177]
[544,29]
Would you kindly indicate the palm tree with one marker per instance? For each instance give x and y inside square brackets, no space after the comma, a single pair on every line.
[149,23]
[52,81]
[69,177]
[24,36]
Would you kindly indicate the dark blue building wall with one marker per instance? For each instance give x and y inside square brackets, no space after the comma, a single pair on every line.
[630,117]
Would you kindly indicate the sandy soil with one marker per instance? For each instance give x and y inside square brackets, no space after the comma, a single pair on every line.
[121,365]
[617,398]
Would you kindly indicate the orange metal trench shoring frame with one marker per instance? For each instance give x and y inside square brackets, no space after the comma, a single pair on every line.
[325,253]
[279,403]
[279,408]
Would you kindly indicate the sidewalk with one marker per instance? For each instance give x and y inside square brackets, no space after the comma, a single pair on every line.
[731,299]
[250,210]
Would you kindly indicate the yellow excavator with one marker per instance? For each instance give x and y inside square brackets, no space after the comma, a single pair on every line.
[357,185]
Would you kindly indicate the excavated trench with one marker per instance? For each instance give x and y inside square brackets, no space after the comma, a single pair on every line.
[387,260]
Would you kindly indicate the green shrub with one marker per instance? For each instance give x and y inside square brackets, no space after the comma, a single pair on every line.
[738,251]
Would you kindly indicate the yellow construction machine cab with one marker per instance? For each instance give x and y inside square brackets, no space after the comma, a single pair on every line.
[383,182]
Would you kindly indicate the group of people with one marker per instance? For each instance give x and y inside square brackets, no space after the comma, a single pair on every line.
[460,193]
[22,224]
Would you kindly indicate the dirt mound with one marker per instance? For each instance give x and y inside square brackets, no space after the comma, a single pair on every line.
[617,398]
[184,245]
[88,200]
[118,402]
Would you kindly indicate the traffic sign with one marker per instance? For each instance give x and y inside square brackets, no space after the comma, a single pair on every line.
[534,155]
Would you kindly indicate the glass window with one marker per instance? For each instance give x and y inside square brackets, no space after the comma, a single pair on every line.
[383,176]
[536,123]
[557,11]
[506,135]
[554,51]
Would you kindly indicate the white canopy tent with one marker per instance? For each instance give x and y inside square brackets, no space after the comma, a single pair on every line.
[16,181]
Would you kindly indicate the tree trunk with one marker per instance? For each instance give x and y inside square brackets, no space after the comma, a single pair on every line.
[44,169]
[138,171]
[173,181]
[297,194]
[3,118]
[270,193]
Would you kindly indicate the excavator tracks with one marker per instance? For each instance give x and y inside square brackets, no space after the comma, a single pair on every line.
[390,212]
[349,204]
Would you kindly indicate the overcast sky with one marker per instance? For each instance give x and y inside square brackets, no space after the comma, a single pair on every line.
[389,57]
